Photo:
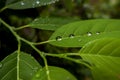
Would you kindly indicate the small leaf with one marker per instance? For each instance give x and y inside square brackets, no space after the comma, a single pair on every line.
[24,4]
[85,31]
[104,56]
[56,73]
[50,23]
[28,66]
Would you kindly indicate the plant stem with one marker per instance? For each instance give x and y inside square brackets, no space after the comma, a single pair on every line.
[19,45]
[25,26]
[41,54]
[10,28]
[45,61]
[80,61]
[18,59]
[39,43]
[28,42]
[3,9]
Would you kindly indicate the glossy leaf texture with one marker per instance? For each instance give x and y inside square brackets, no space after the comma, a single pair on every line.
[56,73]
[25,4]
[28,66]
[78,33]
[104,58]
[50,23]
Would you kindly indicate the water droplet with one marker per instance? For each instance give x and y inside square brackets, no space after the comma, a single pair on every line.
[37,2]
[89,33]
[58,38]
[22,3]
[97,32]
[71,35]
[1,65]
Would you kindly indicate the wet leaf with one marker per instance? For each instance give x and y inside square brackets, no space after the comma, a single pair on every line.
[56,73]
[50,23]
[24,4]
[85,31]
[25,68]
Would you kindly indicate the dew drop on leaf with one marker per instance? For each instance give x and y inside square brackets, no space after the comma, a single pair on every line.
[37,2]
[58,38]
[71,35]
[97,32]
[1,65]
[89,34]
[22,3]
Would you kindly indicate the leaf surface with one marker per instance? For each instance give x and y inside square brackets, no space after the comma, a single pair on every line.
[24,4]
[28,66]
[56,73]
[50,23]
[78,33]
[104,58]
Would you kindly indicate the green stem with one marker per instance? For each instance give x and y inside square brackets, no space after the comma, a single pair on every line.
[19,45]
[18,59]
[25,26]
[45,61]
[41,54]
[3,9]
[10,28]
[80,61]
[17,36]
[28,42]
[39,43]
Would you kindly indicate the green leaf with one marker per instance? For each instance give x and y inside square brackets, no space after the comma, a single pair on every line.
[10,69]
[56,73]
[24,4]
[50,23]
[78,33]
[11,1]
[104,57]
